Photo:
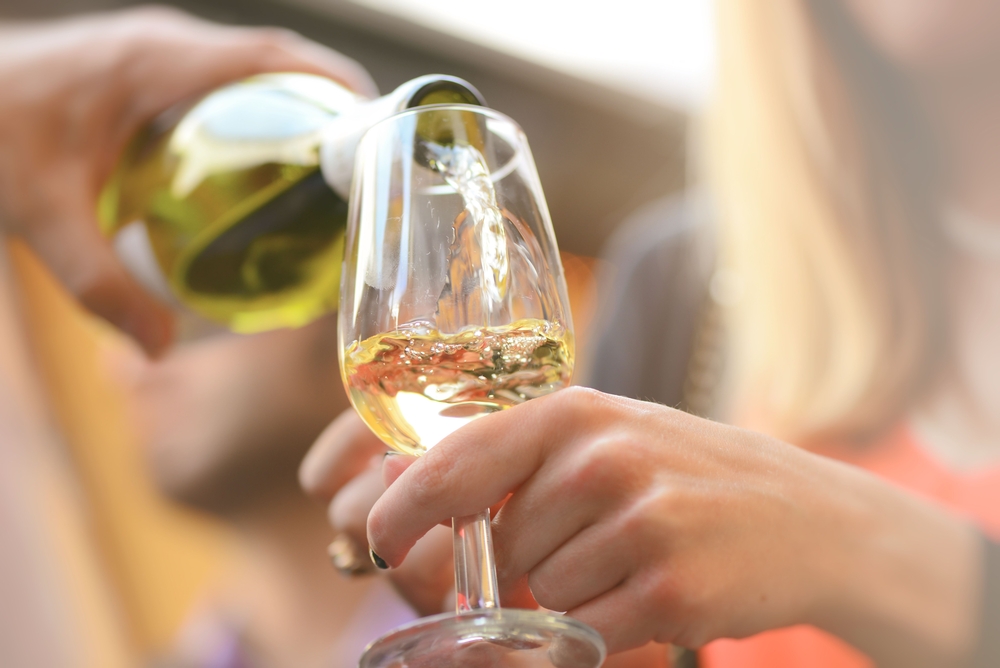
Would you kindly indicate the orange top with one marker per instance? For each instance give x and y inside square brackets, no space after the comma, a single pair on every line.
[900,460]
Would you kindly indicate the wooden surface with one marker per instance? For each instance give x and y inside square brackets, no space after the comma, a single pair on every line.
[57,609]
[157,557]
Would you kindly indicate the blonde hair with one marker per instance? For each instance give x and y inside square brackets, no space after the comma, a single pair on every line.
[824,174]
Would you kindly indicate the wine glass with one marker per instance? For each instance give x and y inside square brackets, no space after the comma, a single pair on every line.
[453,306]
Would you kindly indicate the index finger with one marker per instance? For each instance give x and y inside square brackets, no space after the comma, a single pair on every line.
[188,56]
[474,468]
[285,50]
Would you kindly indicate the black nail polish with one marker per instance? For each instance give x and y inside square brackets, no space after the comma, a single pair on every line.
[377,560]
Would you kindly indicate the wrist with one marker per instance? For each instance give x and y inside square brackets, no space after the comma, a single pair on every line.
[900,576]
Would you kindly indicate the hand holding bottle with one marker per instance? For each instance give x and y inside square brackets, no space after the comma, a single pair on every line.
[74,92]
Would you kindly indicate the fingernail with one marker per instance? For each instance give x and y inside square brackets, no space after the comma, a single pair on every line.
[377,560]
[389,453]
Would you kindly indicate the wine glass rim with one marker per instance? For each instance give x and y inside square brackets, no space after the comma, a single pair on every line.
[472,108]
[478,618]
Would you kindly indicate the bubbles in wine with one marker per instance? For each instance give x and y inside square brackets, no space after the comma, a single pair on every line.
[416,385]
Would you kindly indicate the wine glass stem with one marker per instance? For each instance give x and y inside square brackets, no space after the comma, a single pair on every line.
[475,570]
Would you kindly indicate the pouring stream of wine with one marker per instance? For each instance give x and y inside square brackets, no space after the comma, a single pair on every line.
[465,169]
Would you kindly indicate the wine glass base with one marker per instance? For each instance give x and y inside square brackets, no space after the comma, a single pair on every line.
[506,638]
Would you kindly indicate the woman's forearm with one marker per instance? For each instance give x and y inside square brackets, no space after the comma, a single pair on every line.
[903,576]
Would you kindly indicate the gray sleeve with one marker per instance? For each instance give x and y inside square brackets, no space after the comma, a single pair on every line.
[987,652]
[660,262]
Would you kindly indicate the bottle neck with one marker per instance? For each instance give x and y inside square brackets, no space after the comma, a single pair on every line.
[342,135]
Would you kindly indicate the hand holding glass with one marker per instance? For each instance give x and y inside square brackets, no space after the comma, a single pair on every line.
[453,306]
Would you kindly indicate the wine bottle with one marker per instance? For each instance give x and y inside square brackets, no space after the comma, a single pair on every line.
[234,206]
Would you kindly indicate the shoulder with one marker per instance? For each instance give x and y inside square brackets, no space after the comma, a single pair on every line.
[661,234]
[659,264]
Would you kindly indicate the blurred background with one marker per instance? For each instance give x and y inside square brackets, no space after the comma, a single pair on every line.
[820,264]
[605,93]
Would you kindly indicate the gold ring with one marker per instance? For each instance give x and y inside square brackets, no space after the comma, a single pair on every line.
[349,560]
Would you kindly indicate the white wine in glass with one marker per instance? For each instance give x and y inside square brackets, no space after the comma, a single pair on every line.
[453,306]
[414,386]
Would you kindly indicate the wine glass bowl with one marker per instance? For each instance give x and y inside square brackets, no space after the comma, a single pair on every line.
[465,289]
[453,306]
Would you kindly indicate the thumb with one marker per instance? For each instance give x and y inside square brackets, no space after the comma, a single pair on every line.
[83,261]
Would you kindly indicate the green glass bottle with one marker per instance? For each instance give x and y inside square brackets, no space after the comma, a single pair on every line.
[224,208]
